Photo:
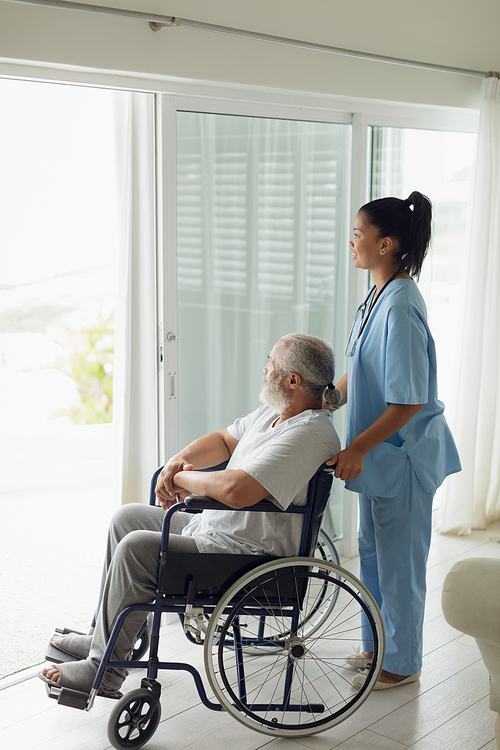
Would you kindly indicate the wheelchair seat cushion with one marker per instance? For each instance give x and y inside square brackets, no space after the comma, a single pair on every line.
[213,573]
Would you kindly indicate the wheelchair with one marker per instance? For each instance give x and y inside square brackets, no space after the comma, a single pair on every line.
[274,632]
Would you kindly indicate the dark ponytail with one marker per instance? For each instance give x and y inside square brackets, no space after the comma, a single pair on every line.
[406,221]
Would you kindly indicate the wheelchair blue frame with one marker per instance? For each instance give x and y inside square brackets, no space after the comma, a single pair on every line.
[312,512]
[298,593]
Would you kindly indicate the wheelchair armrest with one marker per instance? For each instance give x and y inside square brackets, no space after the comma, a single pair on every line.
[208,503]
[154,478]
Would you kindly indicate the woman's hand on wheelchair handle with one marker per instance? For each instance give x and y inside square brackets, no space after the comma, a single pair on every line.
[348,463]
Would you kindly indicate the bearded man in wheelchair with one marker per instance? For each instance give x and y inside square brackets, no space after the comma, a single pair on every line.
[271,453]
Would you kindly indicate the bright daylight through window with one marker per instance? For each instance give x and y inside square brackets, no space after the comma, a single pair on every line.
[438,164]
[58,259]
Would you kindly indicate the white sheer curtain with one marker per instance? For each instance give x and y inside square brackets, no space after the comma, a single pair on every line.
[262,228]
[262,236]
[471,499]
[135,391]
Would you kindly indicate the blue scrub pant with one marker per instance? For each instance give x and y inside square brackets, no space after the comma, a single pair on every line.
[394,541]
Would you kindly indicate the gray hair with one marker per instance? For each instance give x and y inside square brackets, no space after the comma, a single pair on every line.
[311,358]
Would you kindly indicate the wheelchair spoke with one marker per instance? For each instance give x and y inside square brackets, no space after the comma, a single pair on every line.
[260,689]
[265,669]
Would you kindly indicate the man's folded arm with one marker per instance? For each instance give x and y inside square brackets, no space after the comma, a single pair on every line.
[233,487]
[209,450]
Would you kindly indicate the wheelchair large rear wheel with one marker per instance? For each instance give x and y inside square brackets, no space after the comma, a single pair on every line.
[306,687]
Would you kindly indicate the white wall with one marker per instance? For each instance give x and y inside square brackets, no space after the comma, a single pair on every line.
[451,32]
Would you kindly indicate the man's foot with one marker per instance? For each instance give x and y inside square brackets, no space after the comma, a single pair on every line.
[77,675]
[70,647]
[52,673]
[74,643]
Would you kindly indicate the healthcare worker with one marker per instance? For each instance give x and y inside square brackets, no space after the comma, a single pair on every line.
[399,448]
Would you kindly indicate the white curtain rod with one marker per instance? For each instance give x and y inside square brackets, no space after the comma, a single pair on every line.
[158,22]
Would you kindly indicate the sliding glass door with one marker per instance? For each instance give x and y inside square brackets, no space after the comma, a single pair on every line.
[262,229]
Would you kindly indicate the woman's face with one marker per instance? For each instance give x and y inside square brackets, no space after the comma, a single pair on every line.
[365,244]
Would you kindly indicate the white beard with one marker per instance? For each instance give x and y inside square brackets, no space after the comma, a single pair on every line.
[274,396]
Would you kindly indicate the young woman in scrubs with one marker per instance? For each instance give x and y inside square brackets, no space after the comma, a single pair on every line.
[399,447]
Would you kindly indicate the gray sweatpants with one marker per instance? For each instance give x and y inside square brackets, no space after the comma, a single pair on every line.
[130,577]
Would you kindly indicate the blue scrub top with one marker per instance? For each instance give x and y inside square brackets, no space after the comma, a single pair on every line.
[394,362]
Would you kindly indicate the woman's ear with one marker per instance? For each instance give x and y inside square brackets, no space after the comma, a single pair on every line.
[388,245]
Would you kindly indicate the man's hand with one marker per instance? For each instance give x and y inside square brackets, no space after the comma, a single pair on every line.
[348,463]
[166,490]
[209,450]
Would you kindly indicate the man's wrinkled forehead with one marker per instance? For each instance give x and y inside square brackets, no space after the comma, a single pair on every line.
[278,349]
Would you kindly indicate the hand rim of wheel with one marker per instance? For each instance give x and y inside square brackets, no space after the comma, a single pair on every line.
[361,696]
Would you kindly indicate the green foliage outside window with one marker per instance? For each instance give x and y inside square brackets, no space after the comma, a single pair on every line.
[90,363]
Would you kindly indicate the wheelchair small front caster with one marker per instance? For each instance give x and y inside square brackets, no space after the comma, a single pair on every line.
[134,719]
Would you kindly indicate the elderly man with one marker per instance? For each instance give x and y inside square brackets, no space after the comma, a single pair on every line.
[272,453]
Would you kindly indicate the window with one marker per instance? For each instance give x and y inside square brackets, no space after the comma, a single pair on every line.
[262,209]
[59,250]
[438,164]
[262,218]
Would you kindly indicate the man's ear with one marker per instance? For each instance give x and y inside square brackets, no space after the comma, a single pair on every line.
[294,380]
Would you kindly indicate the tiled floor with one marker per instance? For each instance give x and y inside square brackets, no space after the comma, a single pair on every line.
[447,710]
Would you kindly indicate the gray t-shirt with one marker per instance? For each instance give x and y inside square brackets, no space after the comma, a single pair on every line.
[282,459]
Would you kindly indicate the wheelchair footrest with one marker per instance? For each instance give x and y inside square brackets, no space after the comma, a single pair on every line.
[68,697]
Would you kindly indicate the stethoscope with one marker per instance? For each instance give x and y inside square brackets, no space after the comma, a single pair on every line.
[372,299]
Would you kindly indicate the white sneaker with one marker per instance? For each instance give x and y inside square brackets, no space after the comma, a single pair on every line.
[359,680]
[357,660]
